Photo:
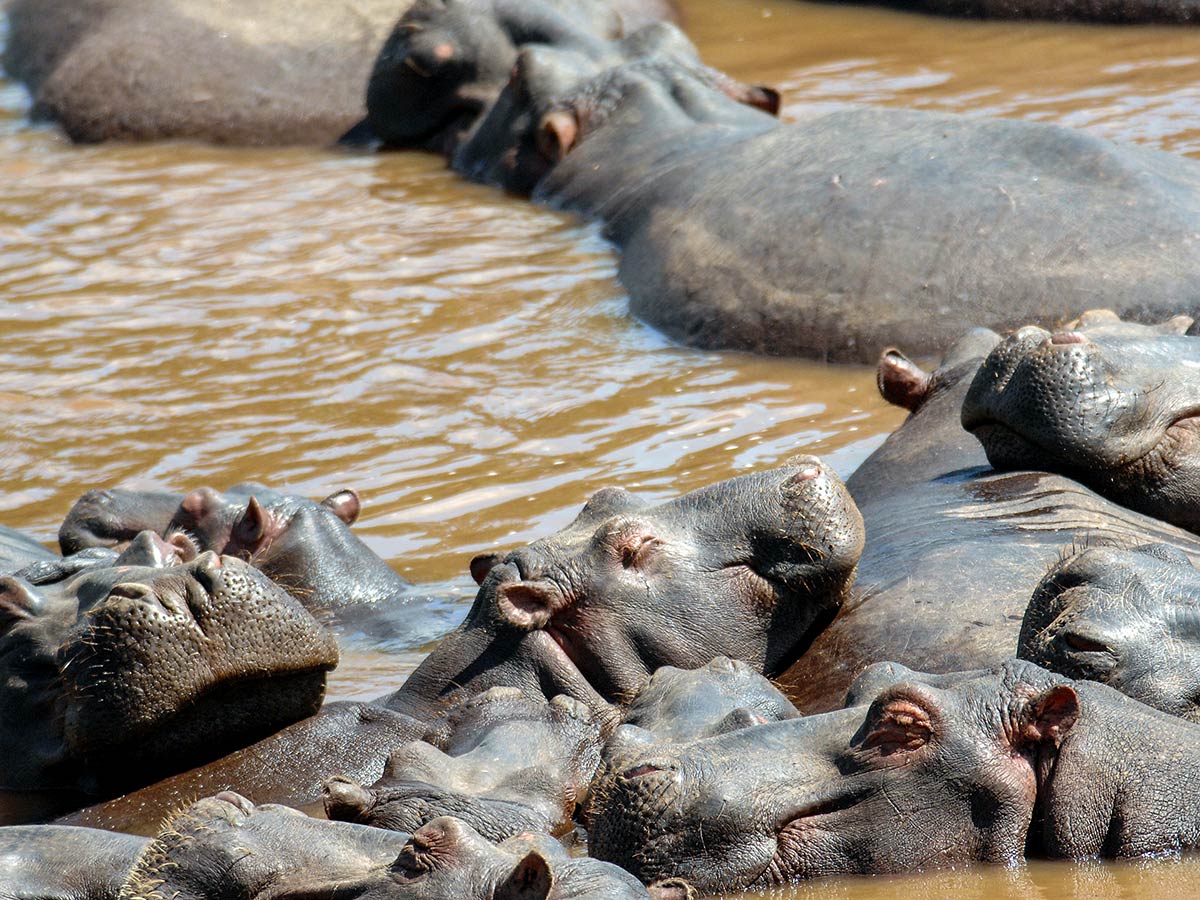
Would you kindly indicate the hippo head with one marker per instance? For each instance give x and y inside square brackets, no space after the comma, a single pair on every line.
[556,97]
[445,61]
[501,762]
[1113,405]
[923,777]
[1127,618]
[156,660]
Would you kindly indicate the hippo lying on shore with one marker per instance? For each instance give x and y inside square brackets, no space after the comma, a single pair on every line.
[954,549]
[228,71]
[987,768]
[1115,406]
[750,568]
[845,232]
[118,674]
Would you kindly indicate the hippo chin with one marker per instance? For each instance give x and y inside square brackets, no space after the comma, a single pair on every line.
[857,237]
[1111,404]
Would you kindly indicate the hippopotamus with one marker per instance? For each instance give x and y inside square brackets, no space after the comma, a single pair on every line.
[954,549]
[839,234]
[750,568]
[55,862]
[983,768]
[1115,406]
[501,762]
[226,71]
[1124,617]
[18,550]
[115,675]
[226,848]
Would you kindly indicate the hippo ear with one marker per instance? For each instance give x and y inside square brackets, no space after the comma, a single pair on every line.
[528,605]
[251,527]
[483,563]
[345,505]
[672,889]
[1194,330]
[759,96]
[900,721]
[1047,717]
[557,134]
[901,381]
[531,880]
[18,601]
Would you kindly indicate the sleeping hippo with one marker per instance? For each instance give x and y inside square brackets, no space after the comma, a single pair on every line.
[930,773]
[845,232]
[954,549]
[114,675]
[56,862]
[1114,405]
[751,568]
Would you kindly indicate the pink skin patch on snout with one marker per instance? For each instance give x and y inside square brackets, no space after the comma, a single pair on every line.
[443,52]
[639,771]
[1061,338]
[808,473]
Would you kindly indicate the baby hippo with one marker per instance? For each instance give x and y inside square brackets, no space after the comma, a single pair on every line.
[500,762]
[112,675]
[681,705]
[1114,405]
[1127,618]
[225,848]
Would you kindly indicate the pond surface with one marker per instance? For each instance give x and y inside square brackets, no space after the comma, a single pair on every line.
[177,315]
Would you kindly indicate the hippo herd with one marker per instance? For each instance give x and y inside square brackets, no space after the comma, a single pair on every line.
[983,646]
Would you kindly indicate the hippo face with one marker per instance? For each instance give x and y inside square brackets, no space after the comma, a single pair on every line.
[500,762]
[1111,404]
[749,568]
[1127,618]
[446,61]
[923,777]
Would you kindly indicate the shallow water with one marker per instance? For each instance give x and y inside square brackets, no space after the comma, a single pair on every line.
[177,315]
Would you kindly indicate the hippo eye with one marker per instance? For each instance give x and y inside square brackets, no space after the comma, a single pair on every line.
[1085,644]
[635,552]
[411,864]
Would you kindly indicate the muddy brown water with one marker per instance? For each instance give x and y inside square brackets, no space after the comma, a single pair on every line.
[176,315]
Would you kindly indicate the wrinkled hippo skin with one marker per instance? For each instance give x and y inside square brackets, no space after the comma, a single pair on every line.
[501,762]
[954,550]
[225,848]
[759,563]
[1125,618]
[982,770]
[1116,406]
[54,862]
[120,674]
[838,235]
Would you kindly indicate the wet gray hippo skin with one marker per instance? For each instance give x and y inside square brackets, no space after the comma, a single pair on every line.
[1115,406]
[501,762]
[985,768]
[681,705]
[124,673]
[53,862]
[1127,618]
[841,234]
[225,848]
[954,550]
[18,550]
[755,564]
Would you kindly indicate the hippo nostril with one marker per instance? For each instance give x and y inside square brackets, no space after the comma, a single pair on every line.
[1063,338]
[207,570]
[641,771]
[132,590]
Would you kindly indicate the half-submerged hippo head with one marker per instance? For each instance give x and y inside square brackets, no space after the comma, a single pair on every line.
[446,61]
[1111,404]
[1127,618]
[750,568]
[501,762]
[923,777]
[126,671]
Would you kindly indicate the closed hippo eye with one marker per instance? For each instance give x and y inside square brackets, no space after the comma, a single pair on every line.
[1085,644]
[636,553]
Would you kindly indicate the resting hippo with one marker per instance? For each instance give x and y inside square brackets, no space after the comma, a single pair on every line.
[1115,406]
[985,769]
[837,235]
[1127,618]
[18,550]
[120,674]
[53,862]
[500,762]
[229,71]
[954,550]
[225,848]
[751,567]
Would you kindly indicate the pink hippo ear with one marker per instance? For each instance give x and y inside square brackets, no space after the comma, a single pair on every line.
[902,720]
[672,889]
[345,505]
[531,880]
[557,134]
[902,382]
[1046,718]
[528,605]
[18,601]
[484,563]
[760,97]
[250,531]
